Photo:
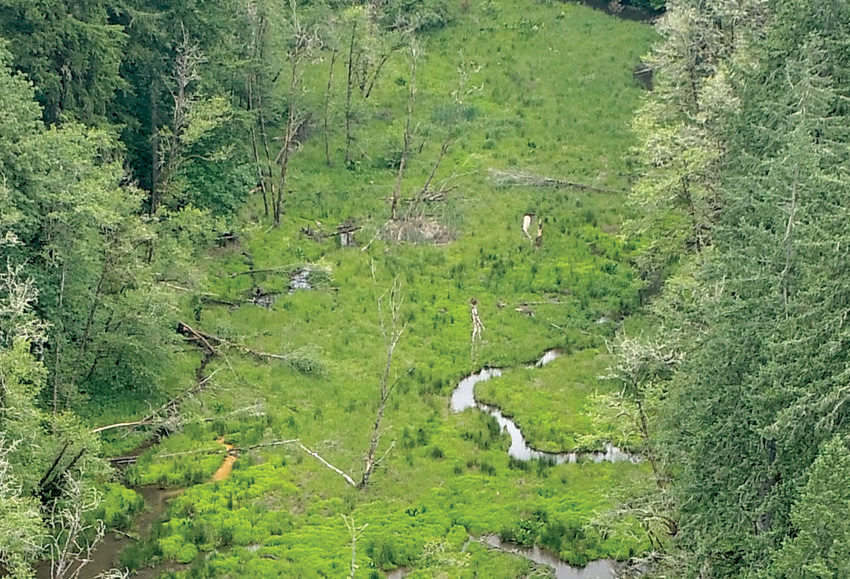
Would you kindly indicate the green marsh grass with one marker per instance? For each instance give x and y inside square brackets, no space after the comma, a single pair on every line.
[555,98]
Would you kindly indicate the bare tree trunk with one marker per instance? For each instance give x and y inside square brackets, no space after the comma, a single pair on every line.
[349,138]
[303,41]
[265,140]
[371,82]
[459,93]
[186,64]
[643,427]
[261,176]
[405,151]
[57,355]
[443,149]
[254,83]
[355,534]
[84,341]
[154,150]
[286,150]
[392,335]
[327,107]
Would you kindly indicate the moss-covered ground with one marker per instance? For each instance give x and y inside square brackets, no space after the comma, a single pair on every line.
[555,98]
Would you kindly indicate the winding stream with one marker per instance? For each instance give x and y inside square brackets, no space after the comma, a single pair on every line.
[105,555]
[601,569]
[463,397]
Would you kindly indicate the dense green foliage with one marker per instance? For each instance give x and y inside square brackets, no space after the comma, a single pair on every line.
[157,120]
[747,140]
[178,186]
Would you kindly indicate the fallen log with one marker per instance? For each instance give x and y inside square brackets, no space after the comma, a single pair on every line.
[208,339]
[531,180]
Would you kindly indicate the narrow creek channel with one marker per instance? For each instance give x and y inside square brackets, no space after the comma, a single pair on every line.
[463,397]
[105,555]
[601,569]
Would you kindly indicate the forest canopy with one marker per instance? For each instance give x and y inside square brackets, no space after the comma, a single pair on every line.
[173,173]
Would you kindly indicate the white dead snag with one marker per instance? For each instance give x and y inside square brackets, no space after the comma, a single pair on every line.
[187,62]
[538,241]
[392,335]
[73,538]
[526,223]
[477,326]
[315,455]
[355,534]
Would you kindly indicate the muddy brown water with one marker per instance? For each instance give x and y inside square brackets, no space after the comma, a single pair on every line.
[105,556]
[226,465]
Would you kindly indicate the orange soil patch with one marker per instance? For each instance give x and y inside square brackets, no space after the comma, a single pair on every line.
[227,464]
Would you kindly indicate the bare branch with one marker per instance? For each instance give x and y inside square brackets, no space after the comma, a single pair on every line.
[507,178]
[392,335]
[315,455]
[415,53]
[355,534]
[73,537]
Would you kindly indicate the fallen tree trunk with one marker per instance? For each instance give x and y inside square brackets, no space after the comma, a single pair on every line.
[506,178]
[265,270]
[236,450]
[208,339]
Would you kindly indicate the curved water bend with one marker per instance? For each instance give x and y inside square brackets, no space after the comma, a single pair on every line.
[463,397]
[601,569]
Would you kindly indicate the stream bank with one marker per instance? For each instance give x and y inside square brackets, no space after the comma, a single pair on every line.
[463,397]
[106,554]
[600,569]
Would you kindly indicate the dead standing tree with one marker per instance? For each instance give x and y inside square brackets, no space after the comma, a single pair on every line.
[73,536]
[370,45]
[349,112]
[256,83]
[392,333]
[303,40]
[187,61]
[327,106]
[355,533]
[464,71]
[415,53]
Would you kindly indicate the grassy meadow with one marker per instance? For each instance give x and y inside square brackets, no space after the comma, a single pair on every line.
[553,96]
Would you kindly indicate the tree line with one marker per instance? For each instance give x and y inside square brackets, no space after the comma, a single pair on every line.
[132,131]
[741,396]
